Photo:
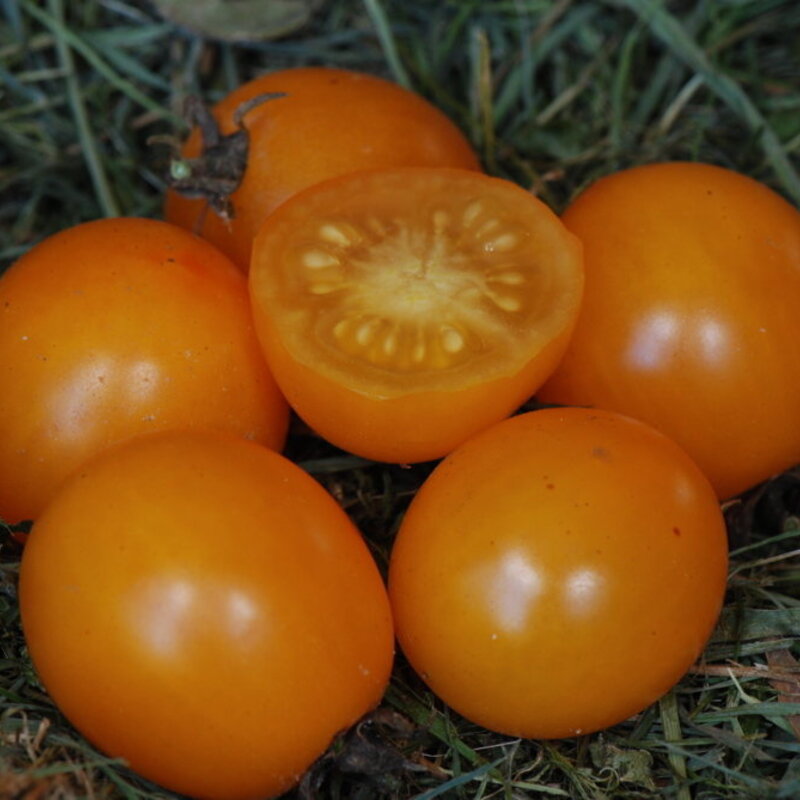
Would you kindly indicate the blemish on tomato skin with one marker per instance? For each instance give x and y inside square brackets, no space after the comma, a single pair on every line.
[601,453]
[676,530]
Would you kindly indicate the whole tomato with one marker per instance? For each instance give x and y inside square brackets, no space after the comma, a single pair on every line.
[558,572]
[403,310]
[330,122]
[199,606]
[689,319]
[119,327]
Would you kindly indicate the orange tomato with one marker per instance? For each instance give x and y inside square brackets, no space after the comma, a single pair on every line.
[331,121]
[403,310]
[199,606]
[689,320]
[559,572]
[119,327]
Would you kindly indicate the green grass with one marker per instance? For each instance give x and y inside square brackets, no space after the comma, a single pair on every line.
[553,94]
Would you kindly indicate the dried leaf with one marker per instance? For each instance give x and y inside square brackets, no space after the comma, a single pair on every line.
[373,749]
[629,765]
[745,624]
[788,687]
[239,20]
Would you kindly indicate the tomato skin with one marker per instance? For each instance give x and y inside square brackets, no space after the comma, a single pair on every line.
[689,320]
[216,625]
[331,122]
[408,428]
[559,572]
[382,408]
[119,327]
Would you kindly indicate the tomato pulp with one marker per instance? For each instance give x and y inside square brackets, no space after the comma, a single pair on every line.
[403,310]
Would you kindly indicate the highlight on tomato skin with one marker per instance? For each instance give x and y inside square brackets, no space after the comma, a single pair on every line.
[689,319]
[330,122]
[403,310]
[559,572]
[200,606]
[114,328]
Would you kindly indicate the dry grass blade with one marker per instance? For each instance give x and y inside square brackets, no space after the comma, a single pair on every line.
[666,27]
[785,680]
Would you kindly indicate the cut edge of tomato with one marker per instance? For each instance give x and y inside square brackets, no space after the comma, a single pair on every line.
[415,279]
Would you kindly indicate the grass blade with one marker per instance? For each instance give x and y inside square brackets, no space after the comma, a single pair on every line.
[667,28]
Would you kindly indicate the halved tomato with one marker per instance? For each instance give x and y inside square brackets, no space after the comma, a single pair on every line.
[403,310]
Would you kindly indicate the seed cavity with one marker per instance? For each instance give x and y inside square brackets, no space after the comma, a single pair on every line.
[472,212]
[319,259]
[507,278]
[506,302]
[341,328]
[365,332]
[419,351]
[501,243]
[334,234]
[487,227]
[390,343]
[452,340]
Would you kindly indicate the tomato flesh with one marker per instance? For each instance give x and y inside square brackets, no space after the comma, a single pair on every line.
[383,296]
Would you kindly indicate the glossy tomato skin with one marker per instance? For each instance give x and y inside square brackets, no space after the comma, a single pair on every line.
[119,327]
[401,311]
[409,428]
[200,606]
[689,319]
[331,122]
[559,572]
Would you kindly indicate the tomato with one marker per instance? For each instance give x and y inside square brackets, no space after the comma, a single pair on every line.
[199,606]
[689,320]
[558,572]
[331,121]
[119,327]
[403,310]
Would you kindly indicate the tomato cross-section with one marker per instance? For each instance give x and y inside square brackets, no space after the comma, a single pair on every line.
[403,310]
